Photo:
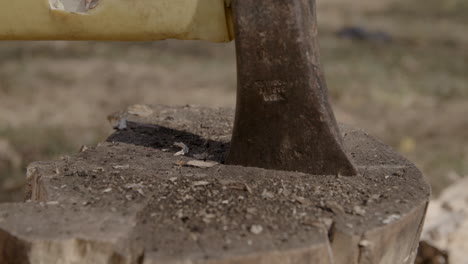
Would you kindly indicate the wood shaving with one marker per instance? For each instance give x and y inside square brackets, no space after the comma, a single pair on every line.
[256,229]
[184,149]
[201,164]
[236,185]
[201,183]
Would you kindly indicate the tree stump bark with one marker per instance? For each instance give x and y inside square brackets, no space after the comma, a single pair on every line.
[132,200]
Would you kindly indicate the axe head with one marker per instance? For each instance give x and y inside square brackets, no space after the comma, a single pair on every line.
[283,118]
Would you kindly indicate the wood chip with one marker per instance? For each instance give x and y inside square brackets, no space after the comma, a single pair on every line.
[201,164]
[121,167]
[83,148]
[365,243]
[236,185]
[184,149]
[121,125]
[140,191]
[391,218]
[134,185]
[180,163]
[173,179]
[358,210]
[201,183]
[267,195]
[140,110]
[256,229]
[302,200]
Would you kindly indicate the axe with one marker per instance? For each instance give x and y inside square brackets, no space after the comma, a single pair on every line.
[283,118]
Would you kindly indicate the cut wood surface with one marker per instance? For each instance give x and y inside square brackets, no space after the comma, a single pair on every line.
[132,200]
[114,20]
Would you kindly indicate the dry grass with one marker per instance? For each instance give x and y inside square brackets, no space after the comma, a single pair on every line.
[412,93]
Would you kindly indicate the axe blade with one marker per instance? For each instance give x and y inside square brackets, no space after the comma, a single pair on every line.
[283,118]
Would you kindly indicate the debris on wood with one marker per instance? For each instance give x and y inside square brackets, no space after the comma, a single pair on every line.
[83,148]
[117,119]
[140,191]
[365,243]
[122,124]
[328,222]
[184,149]
[284,191]
[201,183]
[256,229]
[180,163]
[301,200]
[207,217]
[391,218]
[98,169]
[121,167]
[358,210]
[140,110]
[134,185]
[201,164]
[267,195]
[251,210]
[173,179]
[236,185]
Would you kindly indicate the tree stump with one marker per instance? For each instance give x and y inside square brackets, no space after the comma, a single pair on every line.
[132,200]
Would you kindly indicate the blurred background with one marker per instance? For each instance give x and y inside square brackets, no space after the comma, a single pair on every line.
[398,69]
